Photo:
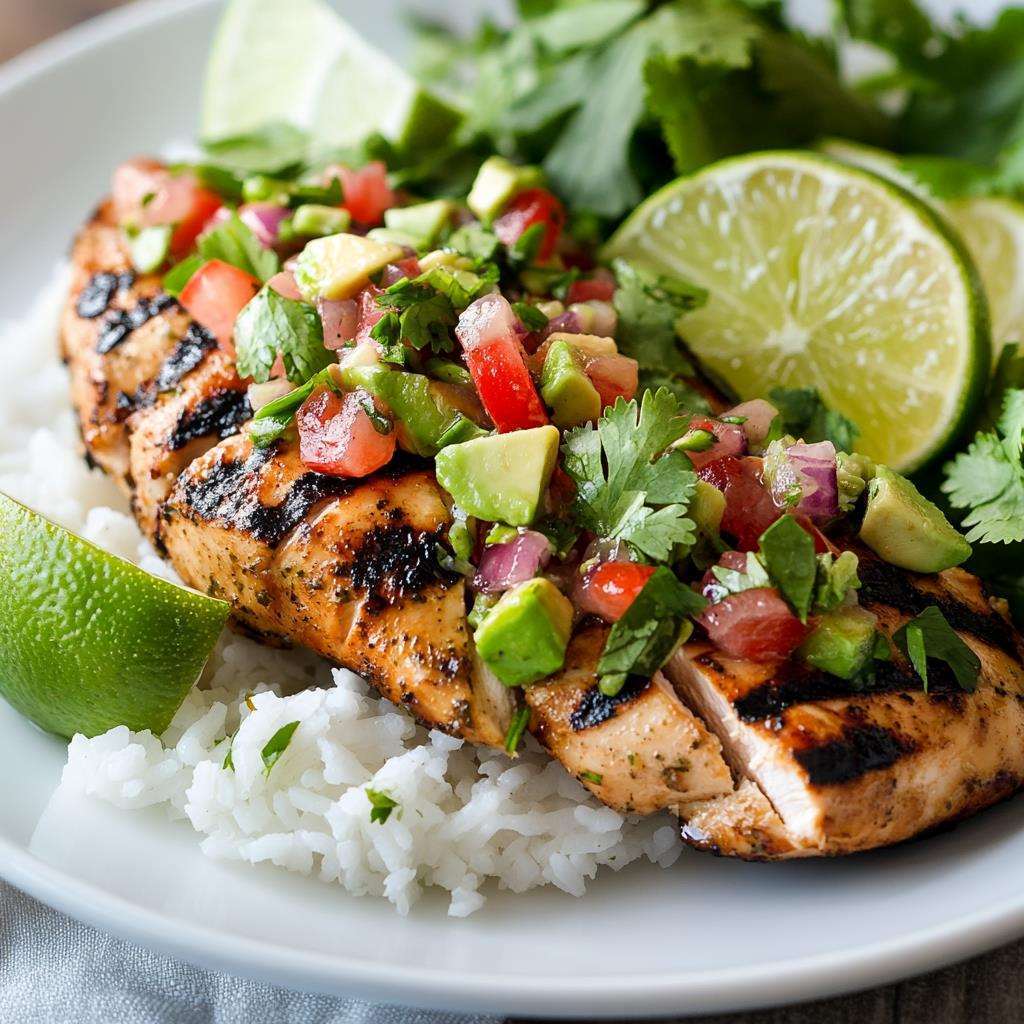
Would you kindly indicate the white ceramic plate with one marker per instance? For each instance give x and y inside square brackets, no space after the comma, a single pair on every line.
[708,936]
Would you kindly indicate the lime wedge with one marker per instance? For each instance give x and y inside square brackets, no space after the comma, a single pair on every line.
[828,276]
[297,62]
[991,228]
[89,641]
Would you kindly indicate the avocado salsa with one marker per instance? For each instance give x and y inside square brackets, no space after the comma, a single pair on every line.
[583,481]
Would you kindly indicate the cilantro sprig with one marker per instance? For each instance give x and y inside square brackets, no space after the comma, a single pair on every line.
[930,636]
[803,414]
[629,485]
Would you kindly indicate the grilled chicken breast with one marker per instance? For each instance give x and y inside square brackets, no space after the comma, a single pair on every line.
[776,761]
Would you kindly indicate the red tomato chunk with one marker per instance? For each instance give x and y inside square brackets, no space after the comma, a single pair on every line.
[534,206]
[215,296]
[366,192]
[749,508]
[755,624]
[338,437]
[611,587]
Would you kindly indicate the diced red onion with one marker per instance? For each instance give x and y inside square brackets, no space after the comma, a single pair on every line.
[490,318]
[264,221]
[260,395]
[807,469]
[391,274]
[341,321]
[567,323]
[605,318]
[758,416]
[505,565]
[369,313]
[284,284]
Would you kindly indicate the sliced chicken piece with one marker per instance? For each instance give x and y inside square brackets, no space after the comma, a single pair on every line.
[345,567]
[847,769]
[640,751]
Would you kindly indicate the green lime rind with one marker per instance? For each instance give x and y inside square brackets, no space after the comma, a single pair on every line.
[910,400]
[89,641]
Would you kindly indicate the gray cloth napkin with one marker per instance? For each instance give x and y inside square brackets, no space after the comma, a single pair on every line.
[54,970]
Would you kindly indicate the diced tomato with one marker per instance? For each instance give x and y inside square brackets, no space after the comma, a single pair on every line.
[614,377]
[366,191]
[611,587]
[749,509]
[599,288]
[755,624]
[146,194]
[534,206]
[216,295]
[496,360]
[338,437]
[731,440]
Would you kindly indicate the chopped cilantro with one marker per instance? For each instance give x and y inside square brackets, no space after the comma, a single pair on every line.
[229,761]
[929,635]
[735,581]
[271,422]
[520,720]
[530,316]
[270,325]
[180,274]
[803,414]
[234,243]
[381,805]
[595,777]
[276,148]
[649,631]
[628,485]
[277,745]
[787,551]
[836,577]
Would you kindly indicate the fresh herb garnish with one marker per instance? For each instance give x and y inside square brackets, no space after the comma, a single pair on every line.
[735,581]
[234,243]
[180,274]
[787,551]
[520,720]
[628,485]
[381,805]
[229,761]
[530,316]
[929,635]
[835,579]
[270,325]
[277,745]
[275,149]
[988,478]
[274,419]
[649,631]
[595,777]
[803,414]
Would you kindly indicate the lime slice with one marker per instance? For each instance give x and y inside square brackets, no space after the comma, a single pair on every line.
[991,228]
[89,641]
[828,276]
[299,63]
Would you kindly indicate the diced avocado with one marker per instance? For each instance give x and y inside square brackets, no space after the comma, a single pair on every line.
[853,471]
[903,527]
[259,188]
[150,248]
[498,181]
[524,636]
[388,236]
[586,344]
[445,258]
[842,643]
[566,389]
[447,371]
[462,429]
[424,221]
[315,221]
[338,266]
[502,477]
[420,409]
[707,506]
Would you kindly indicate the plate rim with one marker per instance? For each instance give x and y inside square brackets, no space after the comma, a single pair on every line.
[682,993]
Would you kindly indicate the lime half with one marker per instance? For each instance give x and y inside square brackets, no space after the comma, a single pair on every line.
[89,641]
[297,62]
[828,276]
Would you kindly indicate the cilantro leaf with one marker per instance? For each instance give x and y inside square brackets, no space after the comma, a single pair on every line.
[271,422]
[988,478]
[623,468]
[180,274]
[929,635]
[234,243]
[520,720]
[276,148]
[381,805]
[277,745]
[733,581]
[649,631]
[787,551]
[806,416]
[271,324]
[836,577]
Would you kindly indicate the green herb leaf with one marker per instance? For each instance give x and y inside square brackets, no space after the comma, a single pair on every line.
[381,805]
[787,551]
[271,422]
[228,763]
[520,720]
[277,745]
[806,416]
[595,777]
[274,149]
[929,635]
[271,324]
[530,316]
[234,243]
[180,274]
[732,581]
[835,579]
[649,631]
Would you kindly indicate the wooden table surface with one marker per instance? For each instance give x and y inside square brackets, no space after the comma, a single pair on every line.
[988,990]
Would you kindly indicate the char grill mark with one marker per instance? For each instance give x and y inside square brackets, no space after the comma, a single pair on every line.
[95,298]
[229,493]
[885,584]
[187,355]
[222,414]
[596,707]
[861,749]
[119,324]
[394,562]
[804,686]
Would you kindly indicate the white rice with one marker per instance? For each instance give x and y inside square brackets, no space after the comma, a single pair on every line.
[464,817]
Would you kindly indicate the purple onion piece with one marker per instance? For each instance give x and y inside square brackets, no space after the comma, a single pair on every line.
[814,466]
[340,318]
[264,221]
[564,323]
[505,565]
